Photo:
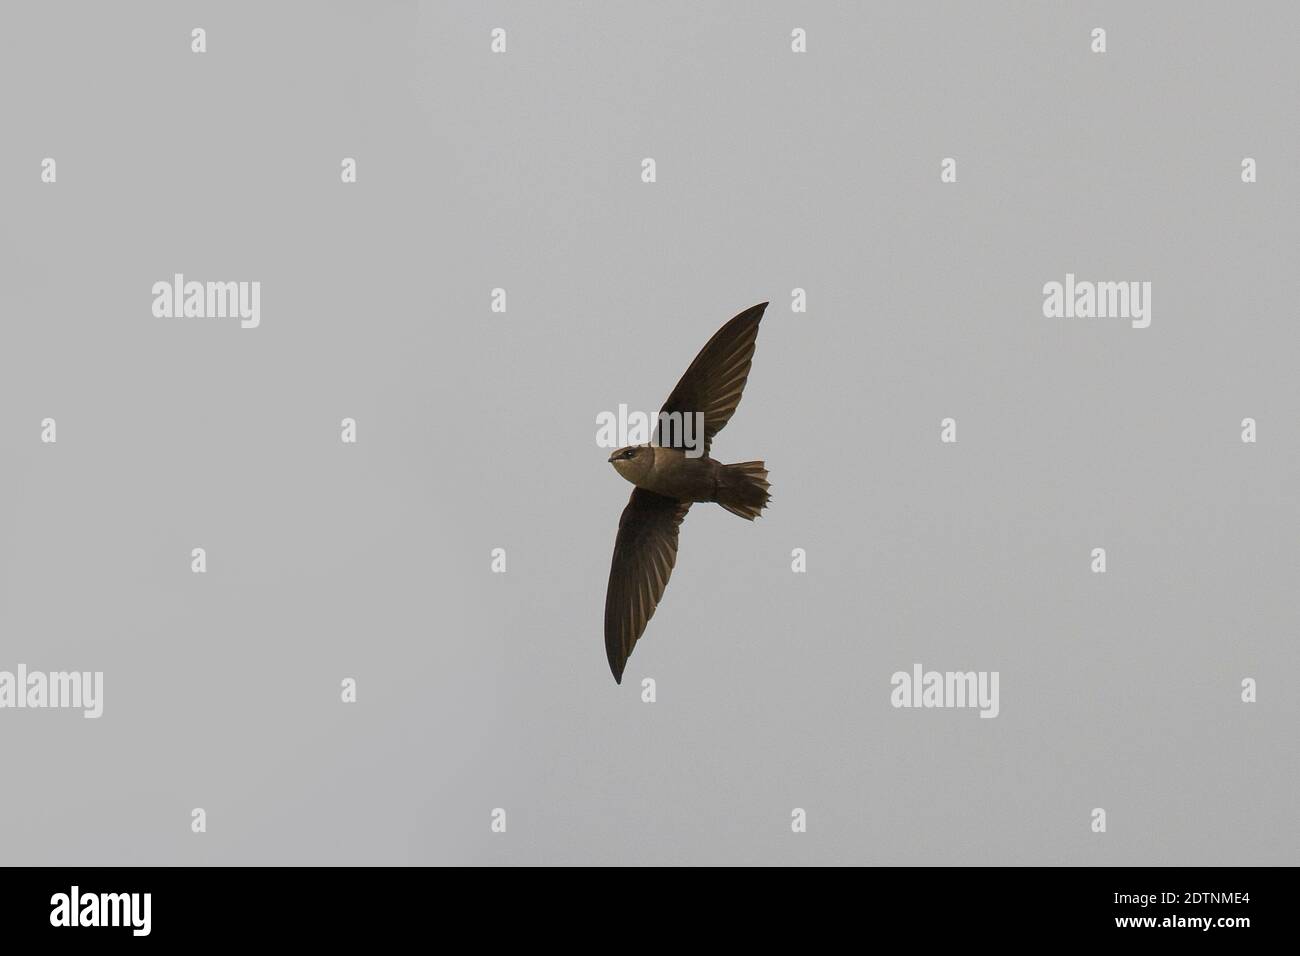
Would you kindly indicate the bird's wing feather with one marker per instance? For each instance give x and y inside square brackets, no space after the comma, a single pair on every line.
[716,379]
[644,554]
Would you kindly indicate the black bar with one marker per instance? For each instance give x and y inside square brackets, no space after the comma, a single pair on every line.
[334,905]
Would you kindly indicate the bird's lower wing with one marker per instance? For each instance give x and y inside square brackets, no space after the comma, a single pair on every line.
[644,554]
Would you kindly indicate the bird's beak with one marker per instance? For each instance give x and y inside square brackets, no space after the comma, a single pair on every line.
[611,458]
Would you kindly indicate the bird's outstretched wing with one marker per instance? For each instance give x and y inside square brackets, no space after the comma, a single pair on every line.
[644,554]
[716,379]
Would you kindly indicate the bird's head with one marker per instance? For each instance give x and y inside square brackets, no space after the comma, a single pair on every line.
[633,461]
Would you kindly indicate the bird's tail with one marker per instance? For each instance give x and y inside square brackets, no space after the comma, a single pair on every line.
[742,489]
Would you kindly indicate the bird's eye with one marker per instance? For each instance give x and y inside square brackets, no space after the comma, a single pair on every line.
[629,453]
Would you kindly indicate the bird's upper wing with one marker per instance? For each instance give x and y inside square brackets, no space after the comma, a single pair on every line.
[644,554]
[714,382]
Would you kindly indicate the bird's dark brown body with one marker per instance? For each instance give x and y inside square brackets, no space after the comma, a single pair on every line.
[669,480]
[670,472]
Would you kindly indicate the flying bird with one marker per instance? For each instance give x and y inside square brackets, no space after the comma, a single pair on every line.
[668,481]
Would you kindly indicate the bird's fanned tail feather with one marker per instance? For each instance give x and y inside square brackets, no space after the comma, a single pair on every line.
[742,489]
